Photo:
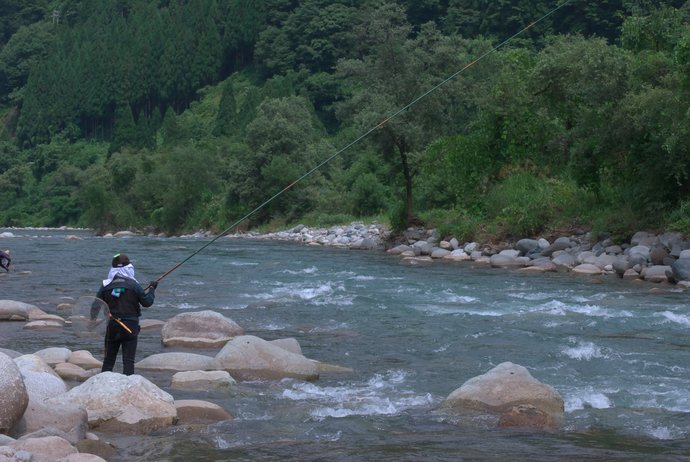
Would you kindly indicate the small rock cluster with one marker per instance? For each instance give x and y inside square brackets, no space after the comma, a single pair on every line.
[356,236]
[650,257]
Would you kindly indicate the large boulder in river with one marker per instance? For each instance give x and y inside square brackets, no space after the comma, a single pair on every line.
[177,362]
[43,449]
[14,398]
[11,310]
[509,392]
[121,403]
[251,358]
[681,269]
[70,419]
[40,379]
[201,329]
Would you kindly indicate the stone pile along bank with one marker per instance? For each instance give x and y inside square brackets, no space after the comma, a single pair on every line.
[648,256]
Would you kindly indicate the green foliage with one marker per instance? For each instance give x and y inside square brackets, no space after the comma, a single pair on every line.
[551,130]
[397,217]
[456,172]
[458,223]
[27,46]
[525,204]
[227,111]
[679,219]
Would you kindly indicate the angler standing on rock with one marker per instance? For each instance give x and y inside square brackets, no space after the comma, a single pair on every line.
[124,297]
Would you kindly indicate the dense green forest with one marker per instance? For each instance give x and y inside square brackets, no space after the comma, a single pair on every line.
[176,115]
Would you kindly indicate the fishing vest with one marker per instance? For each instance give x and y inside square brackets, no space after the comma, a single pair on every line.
[122,299]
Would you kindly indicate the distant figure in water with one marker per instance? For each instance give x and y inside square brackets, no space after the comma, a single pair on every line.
[5,260]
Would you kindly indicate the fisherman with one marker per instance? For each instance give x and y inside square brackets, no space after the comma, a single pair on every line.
[5,260]
[124,297]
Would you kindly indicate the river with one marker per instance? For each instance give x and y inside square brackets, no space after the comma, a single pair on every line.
[616,351]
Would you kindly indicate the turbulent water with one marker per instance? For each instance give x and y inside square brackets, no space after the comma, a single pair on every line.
[616,351]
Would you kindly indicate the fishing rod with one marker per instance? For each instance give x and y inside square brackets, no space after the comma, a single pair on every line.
[365,134]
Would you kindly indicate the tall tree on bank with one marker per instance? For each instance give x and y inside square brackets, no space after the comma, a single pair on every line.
[396,70]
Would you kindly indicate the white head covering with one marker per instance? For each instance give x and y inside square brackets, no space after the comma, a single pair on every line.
[124,271]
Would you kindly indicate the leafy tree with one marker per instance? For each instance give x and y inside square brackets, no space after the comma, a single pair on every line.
[17,13]
[27,46]
[397,70]
[281,139]
[580,81]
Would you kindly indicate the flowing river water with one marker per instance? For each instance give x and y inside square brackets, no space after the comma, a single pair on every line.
[617,351]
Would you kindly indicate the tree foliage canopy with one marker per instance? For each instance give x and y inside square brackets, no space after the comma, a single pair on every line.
[193,113]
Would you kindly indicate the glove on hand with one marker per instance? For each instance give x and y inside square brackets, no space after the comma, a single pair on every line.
[153,284]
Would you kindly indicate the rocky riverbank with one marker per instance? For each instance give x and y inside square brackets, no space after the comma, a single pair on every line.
[657,258]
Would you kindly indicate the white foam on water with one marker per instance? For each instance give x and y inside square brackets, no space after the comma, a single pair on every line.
[559,308]
[450,296]
[243,263]
[326,293]
[532,296]
[363,278]
[310,270]
[587,398]
[187,306]
[665,433]
[583,351]
[434,310]
[683,320]
[381,395]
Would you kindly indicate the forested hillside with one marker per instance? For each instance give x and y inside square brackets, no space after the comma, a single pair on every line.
[178,115]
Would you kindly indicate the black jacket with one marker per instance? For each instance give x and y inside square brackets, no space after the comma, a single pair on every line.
[125,297]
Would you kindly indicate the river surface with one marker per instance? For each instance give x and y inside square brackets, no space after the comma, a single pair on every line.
[616,351]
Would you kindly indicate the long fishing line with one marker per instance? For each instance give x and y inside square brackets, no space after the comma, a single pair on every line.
[365,134]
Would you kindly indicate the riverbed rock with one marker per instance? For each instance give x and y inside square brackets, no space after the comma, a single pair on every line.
[416,261]
[40,379]
[54,355]
[45,449]
[69,371]
[509,391]
[251,358]
[49,326]
[121,403]
[457,255]
[13,396]
[70,419]
[564,261]
[84,358]
[202,380]
[505,261]
[101,450]
[526,246]
[178,361]
[561,243]
[11,353]
[81,457]
[587,269]
[11,310]
[656,273]
[201,329]
[680,269]
[643,238]
[193,411]
[440,253]
[638,255]
[290,344]
[151,324]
